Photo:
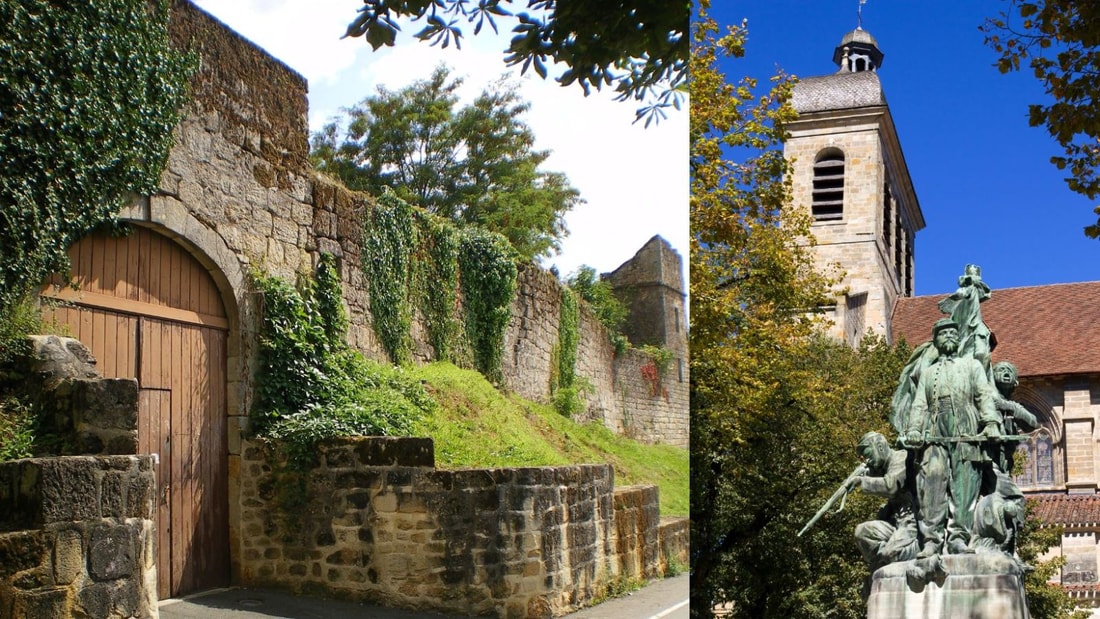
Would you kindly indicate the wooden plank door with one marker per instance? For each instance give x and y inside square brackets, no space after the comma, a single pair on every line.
[147,309]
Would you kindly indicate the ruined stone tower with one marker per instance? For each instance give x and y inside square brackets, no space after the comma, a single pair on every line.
[849,172]
[652,286]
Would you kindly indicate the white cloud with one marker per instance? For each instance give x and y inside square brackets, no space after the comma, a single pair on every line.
[634,180]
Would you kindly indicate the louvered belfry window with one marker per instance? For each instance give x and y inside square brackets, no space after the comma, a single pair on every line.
[828,196]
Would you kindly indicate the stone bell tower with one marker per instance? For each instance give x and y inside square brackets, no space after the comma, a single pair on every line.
[849,172]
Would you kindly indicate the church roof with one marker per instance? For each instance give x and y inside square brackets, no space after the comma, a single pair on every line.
[1044,330]
[838,91]
[1074,510]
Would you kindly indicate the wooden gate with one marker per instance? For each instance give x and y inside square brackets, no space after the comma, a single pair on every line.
[147,309]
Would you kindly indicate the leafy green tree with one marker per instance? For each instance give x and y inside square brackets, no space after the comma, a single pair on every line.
[638,46]
[475,165]
[610,311]
[90,93]
[1045,600]
[1059,40]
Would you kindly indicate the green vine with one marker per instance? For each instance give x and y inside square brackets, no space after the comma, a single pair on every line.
[568,388]
[311,385]
[412,259]
[83,124]
[388,241]
[488,275]
[568,338]
[437,266]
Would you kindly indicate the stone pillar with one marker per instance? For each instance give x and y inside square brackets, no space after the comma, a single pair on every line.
[1080,425]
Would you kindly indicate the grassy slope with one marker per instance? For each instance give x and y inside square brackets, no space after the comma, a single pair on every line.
[478,426]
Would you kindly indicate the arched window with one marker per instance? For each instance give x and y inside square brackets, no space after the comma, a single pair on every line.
[1038,461]
[828,194]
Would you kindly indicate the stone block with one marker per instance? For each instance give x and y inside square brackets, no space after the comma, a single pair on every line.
[395,451]
[22,550]
[979,585]
[111,552]
[68,556]
[48,604]
[68,489]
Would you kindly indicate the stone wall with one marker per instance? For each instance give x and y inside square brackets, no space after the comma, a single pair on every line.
[620,397]
[77,538]
[82,412]
[238,192]
[376,521]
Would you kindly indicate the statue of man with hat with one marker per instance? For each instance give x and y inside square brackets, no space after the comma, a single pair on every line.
[953,413]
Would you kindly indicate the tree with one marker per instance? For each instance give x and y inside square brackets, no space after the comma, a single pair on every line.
[1060,41]
[83,124]
[1045,600]
[475,165]
[635,45]
[599,294]
[776,410]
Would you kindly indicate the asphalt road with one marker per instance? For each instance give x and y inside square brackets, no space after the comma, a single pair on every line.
[661,599]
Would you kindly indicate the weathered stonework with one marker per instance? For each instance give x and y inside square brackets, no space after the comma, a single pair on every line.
[238,193]
[87,414]
[376,521]
[77,538]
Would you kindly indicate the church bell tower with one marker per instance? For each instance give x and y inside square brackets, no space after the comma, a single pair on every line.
[849,172]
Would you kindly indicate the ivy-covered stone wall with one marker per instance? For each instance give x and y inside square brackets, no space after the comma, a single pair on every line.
[239,195]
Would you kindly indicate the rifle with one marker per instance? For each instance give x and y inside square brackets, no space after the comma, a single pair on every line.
[977,439]
[840,495]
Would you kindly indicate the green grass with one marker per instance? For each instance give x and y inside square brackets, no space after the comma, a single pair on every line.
[478,426]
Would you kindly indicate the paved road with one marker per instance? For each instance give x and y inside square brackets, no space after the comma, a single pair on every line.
[662,599]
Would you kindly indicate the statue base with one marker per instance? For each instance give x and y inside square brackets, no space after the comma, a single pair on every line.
[970,585]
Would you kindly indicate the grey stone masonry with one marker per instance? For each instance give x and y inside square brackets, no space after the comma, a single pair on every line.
[77,538]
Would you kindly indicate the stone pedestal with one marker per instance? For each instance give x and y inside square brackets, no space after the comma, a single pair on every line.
[977,586]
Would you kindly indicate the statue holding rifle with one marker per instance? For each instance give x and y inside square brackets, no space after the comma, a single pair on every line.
[943,544]
[953,405]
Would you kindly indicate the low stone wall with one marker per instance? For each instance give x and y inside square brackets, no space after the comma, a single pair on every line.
[637,514]
[87,414]
[374,520]
[674,540]
[77,538]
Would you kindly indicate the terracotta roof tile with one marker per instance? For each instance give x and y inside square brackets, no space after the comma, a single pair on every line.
[1044,330]
[1065,509]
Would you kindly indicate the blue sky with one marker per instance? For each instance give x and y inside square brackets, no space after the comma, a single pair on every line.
[989,193]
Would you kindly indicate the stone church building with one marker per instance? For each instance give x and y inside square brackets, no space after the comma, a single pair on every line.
[850,172]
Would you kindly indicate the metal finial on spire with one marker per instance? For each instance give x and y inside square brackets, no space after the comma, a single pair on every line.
[859,14]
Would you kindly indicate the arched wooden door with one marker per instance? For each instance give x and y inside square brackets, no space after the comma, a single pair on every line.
[147,309]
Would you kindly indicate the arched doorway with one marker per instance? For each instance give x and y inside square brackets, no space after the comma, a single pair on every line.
[149,310]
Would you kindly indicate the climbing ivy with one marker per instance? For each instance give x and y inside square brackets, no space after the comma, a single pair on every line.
[487,269]
[415,260]
[568,338]
[311,385]
[437,264]
[388,241]
[90,93]
[566,392]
